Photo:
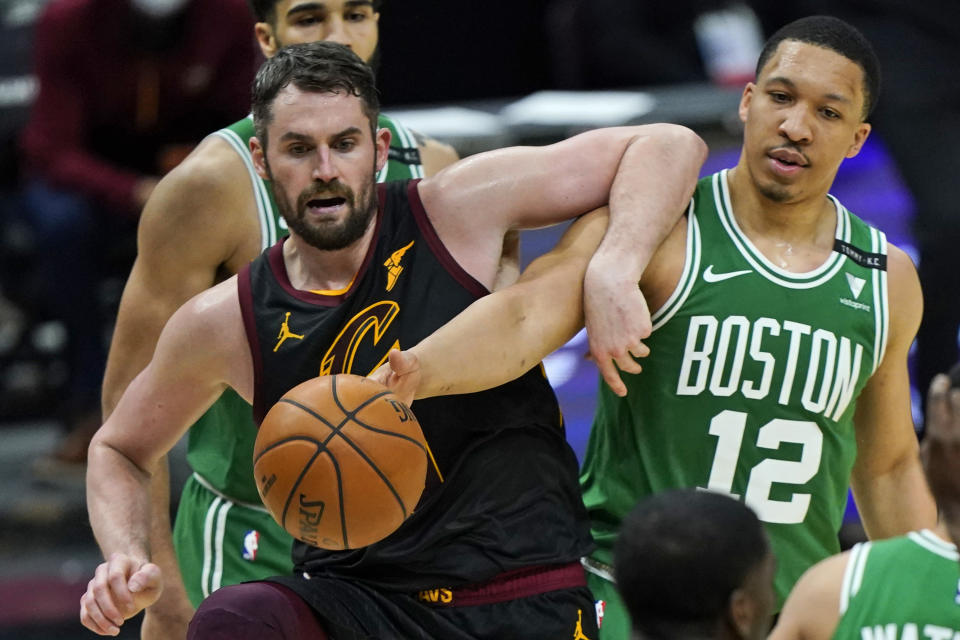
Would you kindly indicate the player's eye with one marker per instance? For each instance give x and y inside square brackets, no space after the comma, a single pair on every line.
[346,144]
[309,20]
[298,149]
[356,15]
[779,97]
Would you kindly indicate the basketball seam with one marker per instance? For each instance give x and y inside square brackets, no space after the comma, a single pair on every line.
[337,431]
[293,489]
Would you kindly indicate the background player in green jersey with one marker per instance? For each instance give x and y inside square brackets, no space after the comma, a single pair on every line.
[205,220]
[778,365]
[905,587]
[695,564]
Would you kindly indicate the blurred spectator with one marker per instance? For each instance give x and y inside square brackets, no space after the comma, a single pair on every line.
[126,88]
[599,44]
[918,119]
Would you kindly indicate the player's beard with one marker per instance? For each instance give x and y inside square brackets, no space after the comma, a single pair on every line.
[329,236]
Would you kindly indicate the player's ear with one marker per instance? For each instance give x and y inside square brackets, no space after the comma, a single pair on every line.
[859,137]
[741,612]
[382,143]
[745,99]
[266,39]
[257,154]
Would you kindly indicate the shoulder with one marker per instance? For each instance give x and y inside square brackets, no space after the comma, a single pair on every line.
[212,176]
[904,293]
[434,155]
[812,609]
[212,318]
[209,193]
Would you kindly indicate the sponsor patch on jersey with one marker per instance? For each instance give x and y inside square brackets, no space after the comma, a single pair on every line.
[862,258]
[853,304]
[405,155]
[251,542]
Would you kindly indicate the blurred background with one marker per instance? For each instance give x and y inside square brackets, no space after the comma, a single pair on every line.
[76,166]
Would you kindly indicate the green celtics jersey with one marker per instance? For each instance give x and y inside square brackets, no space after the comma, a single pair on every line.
[901,589]
[750,385]
[220,446]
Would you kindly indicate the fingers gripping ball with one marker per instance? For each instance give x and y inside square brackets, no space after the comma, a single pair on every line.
[340,462]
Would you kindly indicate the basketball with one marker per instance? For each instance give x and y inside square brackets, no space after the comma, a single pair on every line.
[340,462]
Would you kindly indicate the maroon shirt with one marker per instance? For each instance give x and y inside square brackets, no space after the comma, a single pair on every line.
[109,106]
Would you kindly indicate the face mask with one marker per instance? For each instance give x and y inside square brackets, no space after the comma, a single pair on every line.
[158,8]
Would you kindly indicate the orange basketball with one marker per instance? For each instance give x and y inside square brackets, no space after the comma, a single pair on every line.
[340,462]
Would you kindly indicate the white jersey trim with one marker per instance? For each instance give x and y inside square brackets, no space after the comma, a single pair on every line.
[853,574]
[881,300]
[409,141]
[268,230]
[934,544]
[691,268]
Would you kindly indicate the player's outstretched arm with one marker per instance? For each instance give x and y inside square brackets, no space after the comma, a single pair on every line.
[645,172]
[501,336]
[812,610]
[888,482]
[941,448]
[195,359]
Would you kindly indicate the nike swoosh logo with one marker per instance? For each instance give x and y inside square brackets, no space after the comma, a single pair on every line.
[710,276]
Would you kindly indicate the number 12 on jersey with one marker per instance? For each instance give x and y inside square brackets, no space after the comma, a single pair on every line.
[729,426]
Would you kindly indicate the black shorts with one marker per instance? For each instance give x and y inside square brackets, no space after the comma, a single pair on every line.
[545,603]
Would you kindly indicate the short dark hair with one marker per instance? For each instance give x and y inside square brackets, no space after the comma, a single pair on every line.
[321,67]
[266,10]
[680,555]
[839,36]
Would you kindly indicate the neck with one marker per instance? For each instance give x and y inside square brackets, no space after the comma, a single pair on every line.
[797,235]
[312,269]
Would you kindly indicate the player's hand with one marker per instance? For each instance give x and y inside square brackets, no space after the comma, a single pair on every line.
[941,450]
[617,321]
[166,620]
[121,587]
[400,374]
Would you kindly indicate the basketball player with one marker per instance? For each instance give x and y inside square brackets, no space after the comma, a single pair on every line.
[695,564]
[506,518]
[778,363]
[207,219]
[905,587]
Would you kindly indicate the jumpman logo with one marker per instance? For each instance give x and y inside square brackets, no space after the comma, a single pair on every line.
[578,632]
[393,265]
[286,333]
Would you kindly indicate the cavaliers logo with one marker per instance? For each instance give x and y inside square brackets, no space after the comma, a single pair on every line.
[368,326]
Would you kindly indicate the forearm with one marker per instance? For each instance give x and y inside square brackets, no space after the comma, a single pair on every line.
[118,502]
[651,190]
[498,338]
[896,501]
[173,609]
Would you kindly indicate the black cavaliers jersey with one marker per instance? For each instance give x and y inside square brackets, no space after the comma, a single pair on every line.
[509,496]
